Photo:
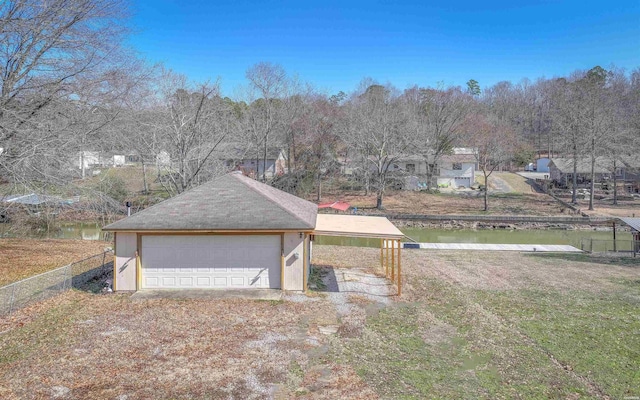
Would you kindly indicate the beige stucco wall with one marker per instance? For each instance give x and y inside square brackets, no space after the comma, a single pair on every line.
[293,266]
[125,261]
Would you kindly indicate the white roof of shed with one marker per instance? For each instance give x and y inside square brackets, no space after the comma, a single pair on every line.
[356,226]
[634,223]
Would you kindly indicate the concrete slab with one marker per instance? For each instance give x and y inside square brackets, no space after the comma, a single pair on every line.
[209,294]
[552,248]
[534,175]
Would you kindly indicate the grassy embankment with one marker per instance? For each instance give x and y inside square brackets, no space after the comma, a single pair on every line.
[22,258]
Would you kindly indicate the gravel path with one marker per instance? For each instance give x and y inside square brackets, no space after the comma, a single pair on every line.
[499,185]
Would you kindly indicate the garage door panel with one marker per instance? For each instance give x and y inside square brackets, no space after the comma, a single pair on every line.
[186,281]
[211,261]
[203,281]
[168,281]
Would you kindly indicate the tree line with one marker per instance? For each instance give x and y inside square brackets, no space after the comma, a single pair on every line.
[69,84]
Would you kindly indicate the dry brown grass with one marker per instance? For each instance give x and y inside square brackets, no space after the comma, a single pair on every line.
[22,258]
[608,209]
[490,270]
[105,346]
[131,176]
[409,202]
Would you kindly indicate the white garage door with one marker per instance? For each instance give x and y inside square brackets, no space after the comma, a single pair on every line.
[462,182]
[211,261]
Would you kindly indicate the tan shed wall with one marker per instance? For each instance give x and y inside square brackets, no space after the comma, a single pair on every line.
[293,268]
[125,261]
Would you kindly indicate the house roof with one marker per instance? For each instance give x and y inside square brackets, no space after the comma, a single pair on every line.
[356,226]
[32,199]
[465,150]
[634,223]
[230,202]
[336,205]
[460,158]
[565,165]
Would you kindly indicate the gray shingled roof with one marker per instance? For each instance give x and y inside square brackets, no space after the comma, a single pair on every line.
[230,202]
[565,165]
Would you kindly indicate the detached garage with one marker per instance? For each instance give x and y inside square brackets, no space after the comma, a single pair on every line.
[232,232]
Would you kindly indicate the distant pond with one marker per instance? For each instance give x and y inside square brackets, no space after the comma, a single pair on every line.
[71,230]
[92,231]
[492,236]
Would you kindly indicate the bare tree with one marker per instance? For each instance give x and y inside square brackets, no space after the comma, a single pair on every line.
[318,144]
[595,105]
[49,51]
[567,125]
[269,83]
[377,132]
[192,121]
[493,141]
[436,118]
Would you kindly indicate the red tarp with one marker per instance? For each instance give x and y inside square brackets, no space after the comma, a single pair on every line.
[336,205]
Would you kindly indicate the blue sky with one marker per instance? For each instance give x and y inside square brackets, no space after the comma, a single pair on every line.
[334,44]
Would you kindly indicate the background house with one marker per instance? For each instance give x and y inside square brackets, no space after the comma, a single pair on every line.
[98,159]
[251,161]
[561,170]
[457,170]
[454,170]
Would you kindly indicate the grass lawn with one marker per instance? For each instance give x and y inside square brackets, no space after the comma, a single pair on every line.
[502,325]
[22,258]
[469,325]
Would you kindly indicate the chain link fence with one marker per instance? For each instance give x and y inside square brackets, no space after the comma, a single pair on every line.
[631,247]
[81,274]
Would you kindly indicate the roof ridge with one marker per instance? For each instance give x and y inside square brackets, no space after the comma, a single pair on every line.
[268,197]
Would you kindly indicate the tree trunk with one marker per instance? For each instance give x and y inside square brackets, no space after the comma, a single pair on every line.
[593,181]
[381,180]
[319,187]
[486,192]
[82,171]
[145,188]
[615,184]
[429,171]
[574,193]
[264,162]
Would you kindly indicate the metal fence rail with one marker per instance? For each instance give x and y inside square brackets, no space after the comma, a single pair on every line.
[39,287]
[605,246]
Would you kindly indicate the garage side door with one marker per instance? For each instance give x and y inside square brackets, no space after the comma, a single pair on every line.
[210,261]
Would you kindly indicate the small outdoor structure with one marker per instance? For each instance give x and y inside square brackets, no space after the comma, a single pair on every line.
[336,205]
[634,224]
[368,227]
[234,233]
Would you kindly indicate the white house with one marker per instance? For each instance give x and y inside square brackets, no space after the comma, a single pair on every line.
[92,159]
[457,170]
[452,170]
[252,162]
